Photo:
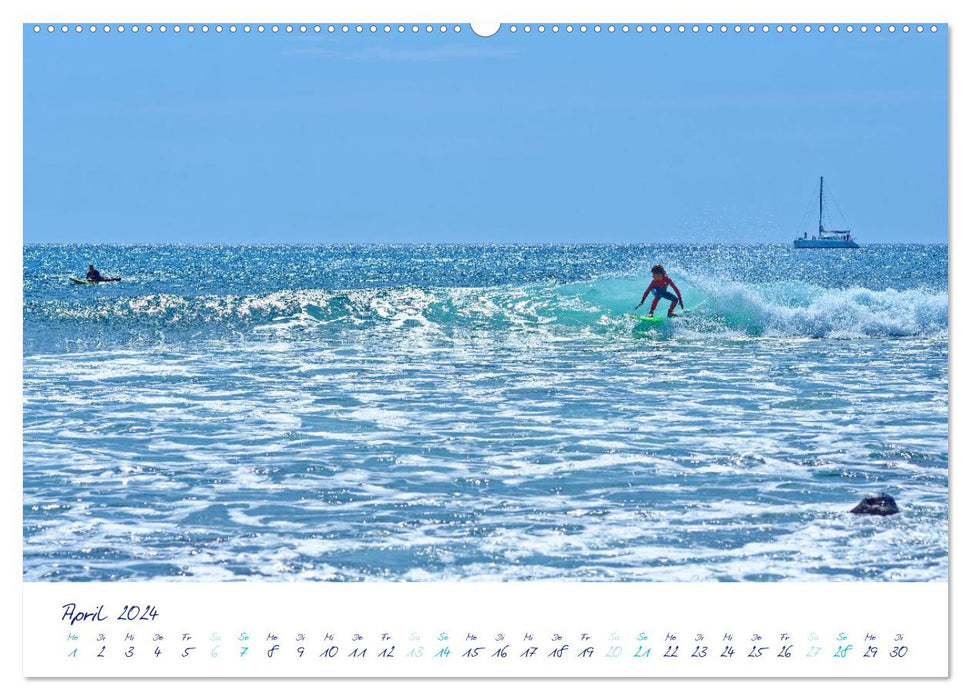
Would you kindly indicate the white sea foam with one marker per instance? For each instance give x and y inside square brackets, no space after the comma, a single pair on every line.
[498,432]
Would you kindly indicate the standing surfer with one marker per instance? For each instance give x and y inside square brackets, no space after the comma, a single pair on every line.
[659,285]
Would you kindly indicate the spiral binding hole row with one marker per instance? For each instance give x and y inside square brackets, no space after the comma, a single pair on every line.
[512,28]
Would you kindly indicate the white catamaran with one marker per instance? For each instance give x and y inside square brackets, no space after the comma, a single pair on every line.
[825,238]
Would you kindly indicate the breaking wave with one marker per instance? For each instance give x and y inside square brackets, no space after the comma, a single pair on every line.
[715,306]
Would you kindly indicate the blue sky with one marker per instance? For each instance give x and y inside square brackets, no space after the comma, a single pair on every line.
[223,138]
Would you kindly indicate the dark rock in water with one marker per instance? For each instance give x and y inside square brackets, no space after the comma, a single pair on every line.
[876,504]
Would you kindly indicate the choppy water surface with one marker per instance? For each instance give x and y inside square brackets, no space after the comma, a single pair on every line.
[467,412]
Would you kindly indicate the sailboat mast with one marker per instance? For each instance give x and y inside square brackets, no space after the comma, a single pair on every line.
[820,203]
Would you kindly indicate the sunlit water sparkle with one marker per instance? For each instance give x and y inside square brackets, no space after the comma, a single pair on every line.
[483,413]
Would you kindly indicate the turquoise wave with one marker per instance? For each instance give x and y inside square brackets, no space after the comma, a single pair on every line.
[601,306]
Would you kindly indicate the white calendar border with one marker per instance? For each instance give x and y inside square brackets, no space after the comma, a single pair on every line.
[474,630]
[438,10]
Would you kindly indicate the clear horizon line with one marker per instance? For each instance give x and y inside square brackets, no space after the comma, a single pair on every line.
[205,244]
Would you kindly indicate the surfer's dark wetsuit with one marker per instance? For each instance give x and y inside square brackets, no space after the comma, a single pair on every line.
[660,289]
[93,274]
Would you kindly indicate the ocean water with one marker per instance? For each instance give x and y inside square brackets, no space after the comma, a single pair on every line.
[348,413]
